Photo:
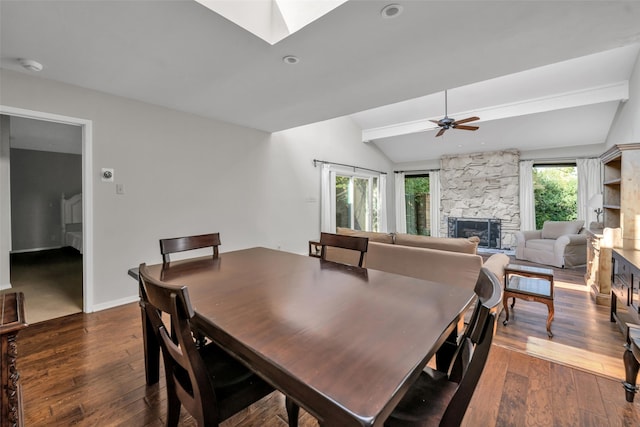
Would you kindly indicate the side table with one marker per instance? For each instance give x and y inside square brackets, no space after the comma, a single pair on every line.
[530,284]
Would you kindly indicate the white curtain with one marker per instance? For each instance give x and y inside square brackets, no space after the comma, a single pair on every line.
[382,203]
[401,209]
[589,179]
[527,203]
[434,190]
[328,197]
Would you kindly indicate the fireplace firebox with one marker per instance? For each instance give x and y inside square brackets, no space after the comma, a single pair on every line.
[486,229]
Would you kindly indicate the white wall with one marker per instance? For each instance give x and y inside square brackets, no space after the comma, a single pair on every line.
[185,174]
[5,202]
[626,125]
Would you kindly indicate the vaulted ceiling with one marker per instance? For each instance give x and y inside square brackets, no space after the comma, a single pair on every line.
[495,57]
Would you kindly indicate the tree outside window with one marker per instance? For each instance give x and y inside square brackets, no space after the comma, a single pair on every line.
[417,204]
[555,190]
[357,202]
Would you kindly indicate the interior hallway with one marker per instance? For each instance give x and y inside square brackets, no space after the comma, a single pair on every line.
[51,281]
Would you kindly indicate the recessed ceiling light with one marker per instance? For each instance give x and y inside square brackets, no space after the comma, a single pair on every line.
[391,11]
[290,59]
[30,64]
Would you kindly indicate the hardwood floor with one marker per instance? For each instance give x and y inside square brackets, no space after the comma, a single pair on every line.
[87,369]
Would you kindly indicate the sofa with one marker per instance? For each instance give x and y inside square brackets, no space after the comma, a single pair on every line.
[452,244]
[559,244]
[445,260]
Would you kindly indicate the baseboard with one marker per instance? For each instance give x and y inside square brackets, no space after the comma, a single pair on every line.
[22,251]
[115,303]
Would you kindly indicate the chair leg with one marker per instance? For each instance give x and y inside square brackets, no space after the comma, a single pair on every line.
[631,367]
[293,410]
[173,408]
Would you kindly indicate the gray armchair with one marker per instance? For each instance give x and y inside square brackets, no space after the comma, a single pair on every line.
[559,243]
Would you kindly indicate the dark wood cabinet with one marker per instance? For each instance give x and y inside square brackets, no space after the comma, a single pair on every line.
[625,295]
[12,321]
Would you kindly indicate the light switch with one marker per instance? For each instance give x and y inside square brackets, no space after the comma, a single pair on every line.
[119,188]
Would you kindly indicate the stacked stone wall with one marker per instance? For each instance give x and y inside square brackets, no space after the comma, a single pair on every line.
[482,185]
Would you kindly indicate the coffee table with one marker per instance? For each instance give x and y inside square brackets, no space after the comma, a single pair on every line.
[530,284]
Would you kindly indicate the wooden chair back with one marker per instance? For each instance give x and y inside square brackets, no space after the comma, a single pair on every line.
[442,398]
[208,382]
[187,243]
[354,243]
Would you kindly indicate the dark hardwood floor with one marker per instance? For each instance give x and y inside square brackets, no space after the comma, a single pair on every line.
[87,369]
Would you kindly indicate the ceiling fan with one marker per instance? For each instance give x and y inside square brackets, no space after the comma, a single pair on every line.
[448,123]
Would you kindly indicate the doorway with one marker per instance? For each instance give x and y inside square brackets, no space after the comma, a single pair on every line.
[40,256]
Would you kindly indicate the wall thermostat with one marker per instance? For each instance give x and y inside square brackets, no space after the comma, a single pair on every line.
[107,174]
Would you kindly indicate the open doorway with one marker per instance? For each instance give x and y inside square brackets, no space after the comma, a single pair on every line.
[46,166]
[48,158]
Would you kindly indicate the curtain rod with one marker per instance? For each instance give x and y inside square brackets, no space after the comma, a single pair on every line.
[560,159]
[315,164]
[417,171]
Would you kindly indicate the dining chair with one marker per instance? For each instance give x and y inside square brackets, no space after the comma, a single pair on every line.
[187,243]
[442,398]
[352,243]
[207,381]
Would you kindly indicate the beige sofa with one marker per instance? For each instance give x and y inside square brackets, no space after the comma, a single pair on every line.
[559,243]
[450,261]
[468,246]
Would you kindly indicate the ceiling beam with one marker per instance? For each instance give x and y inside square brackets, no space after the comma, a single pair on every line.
[594,95]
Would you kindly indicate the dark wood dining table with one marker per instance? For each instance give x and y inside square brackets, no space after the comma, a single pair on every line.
[343,342]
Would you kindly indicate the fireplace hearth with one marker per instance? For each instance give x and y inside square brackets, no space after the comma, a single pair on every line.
[486,229]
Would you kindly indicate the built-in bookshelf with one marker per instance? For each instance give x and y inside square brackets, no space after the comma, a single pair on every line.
[621,191]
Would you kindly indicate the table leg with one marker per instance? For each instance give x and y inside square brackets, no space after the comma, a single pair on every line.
[445,353]
[550,318]
[293,410]
[505,305]
[631,367]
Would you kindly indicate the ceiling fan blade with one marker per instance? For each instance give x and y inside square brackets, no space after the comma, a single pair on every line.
[435,121]
[468,119]
[465,127]
[440,132]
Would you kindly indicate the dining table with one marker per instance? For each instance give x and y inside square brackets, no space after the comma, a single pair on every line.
[345,343]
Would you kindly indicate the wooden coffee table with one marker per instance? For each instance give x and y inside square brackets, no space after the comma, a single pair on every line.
[530,284]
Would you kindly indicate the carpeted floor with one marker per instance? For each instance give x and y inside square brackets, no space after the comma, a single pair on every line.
[51,281]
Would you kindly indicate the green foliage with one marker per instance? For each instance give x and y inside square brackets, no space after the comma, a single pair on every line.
[555,192]
[416,196]
[416,185]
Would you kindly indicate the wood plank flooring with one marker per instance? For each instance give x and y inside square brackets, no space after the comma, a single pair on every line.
[88,369]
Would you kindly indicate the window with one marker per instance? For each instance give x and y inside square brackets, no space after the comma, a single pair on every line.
[417,204]
[357,201]
[555,191]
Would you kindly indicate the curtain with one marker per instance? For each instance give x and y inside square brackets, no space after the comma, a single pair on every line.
[382,203]
[589,179]
[328,197]
[401,209]
[434,190]
[527,204]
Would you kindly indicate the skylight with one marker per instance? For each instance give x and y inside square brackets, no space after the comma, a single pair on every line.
[272,20]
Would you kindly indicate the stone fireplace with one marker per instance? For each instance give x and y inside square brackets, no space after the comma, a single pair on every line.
[482,186]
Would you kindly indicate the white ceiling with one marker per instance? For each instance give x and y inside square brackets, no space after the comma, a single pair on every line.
[182,55]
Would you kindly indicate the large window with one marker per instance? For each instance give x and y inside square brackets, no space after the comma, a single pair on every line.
[417,204]
[555,191]
[357,202]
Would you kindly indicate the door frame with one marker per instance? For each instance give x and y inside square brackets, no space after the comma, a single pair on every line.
[87,191]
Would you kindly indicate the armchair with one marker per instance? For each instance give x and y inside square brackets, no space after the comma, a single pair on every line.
[559,243]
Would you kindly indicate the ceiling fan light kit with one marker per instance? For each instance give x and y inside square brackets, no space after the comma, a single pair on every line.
[447,122]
